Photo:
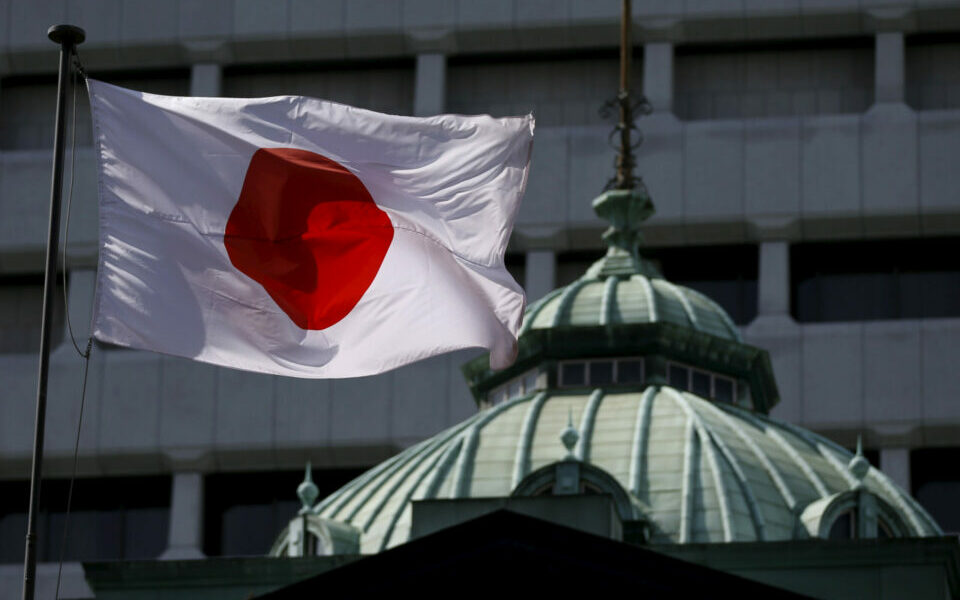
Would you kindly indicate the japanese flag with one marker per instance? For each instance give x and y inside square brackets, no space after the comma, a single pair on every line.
[302,237]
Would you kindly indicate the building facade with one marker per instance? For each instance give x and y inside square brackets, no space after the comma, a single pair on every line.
[803,156]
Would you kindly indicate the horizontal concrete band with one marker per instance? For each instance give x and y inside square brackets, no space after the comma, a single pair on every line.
[170,33]
[147,413]
[876,174]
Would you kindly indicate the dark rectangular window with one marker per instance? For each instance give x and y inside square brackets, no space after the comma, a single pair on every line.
[629,371]
[560,88]
[110,519]
[245,512]
[722,390]
[700,384]
[764,79]
[679,377]
[21,313]
[870,280]
[932,77]
[725,274]
[573,373]
[29,103]
[935,480]
[601,372]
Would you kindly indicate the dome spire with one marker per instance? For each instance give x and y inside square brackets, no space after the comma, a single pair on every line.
[858,465]
[570,436]
[626,107]
[626,203]
[307,491]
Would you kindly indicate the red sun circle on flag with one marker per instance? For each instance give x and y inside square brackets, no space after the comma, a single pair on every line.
[308,231]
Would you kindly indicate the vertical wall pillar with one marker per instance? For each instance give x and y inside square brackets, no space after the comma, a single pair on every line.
[773,285]
[186,517]
[895,463]
[430,89]
[658,75]
[541,276]
[206,79]
[889,71]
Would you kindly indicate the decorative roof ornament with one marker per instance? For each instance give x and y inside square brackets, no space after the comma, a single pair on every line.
[307,491]
[570,436]
[625,163]
[858,465]
[625,203]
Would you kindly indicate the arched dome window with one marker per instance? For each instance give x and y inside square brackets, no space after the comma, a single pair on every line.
[854,514]
[571,477]
[844,526]
[310,535]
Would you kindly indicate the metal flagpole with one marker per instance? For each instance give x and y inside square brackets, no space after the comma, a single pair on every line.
[68,37]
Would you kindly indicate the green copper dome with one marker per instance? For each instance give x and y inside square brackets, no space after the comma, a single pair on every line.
[595,300]
[623,289]
[630,386]
[692,470]
[623,307]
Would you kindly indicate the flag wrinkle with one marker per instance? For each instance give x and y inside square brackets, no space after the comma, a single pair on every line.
[172,171]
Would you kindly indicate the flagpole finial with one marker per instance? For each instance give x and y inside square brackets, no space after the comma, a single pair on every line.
[67,34]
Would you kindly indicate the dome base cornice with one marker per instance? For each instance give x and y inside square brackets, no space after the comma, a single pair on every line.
[657,343]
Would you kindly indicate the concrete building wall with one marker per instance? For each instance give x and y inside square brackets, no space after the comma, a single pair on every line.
[28,102]
[770,142]
[723,83]
[387,90]
[559,91]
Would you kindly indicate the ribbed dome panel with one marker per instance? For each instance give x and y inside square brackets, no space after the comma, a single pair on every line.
[699,471]
[637,299]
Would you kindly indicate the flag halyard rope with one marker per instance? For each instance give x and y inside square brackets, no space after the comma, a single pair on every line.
[84,354]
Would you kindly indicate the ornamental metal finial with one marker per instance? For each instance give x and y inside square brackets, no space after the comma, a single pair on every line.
[570,436]
[625,179]
[307,491]
[625,203]
[858,465]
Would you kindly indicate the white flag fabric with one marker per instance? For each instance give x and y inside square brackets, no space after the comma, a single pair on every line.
[301,237]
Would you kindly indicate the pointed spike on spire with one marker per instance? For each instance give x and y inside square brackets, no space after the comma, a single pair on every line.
[626,202]
[307,491]
[858,465]
[307,473]
[570,436]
